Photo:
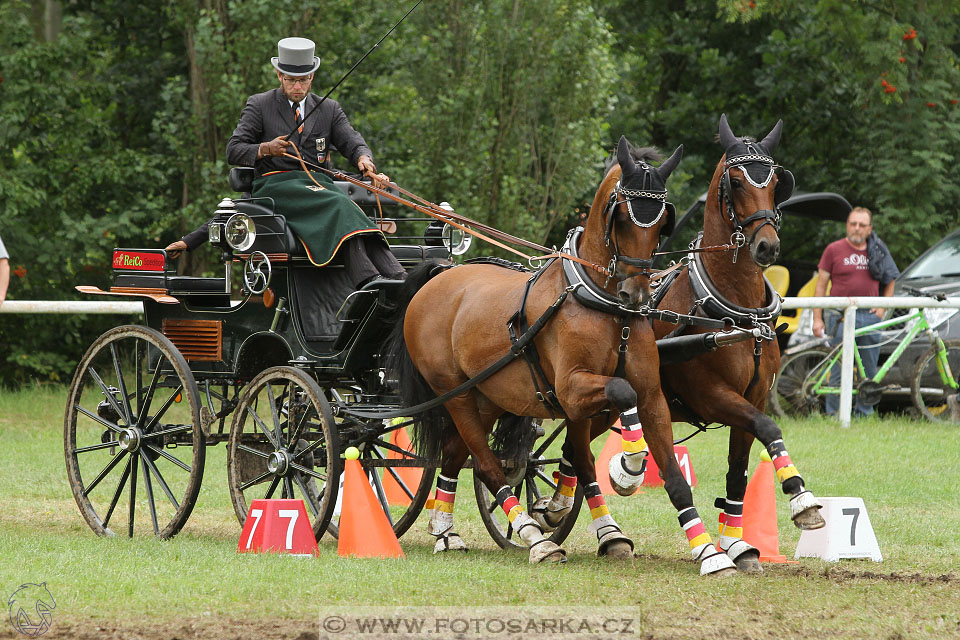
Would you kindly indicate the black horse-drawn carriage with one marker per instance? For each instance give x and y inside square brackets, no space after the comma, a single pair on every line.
[268,361]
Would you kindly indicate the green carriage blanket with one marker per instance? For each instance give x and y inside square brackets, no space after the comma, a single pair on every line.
[323,217]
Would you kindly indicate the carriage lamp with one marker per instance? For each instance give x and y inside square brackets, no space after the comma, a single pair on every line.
[240,232]
[458,240]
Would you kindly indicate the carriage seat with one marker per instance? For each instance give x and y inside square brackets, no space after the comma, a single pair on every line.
[195,284]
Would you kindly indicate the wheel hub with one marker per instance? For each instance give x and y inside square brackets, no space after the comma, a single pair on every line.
[129,439]
[278,463]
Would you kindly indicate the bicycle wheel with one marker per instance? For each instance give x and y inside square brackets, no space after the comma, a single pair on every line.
[791,395]
[934,398]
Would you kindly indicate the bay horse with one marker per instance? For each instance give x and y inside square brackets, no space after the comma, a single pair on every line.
[453,324]
[729,386]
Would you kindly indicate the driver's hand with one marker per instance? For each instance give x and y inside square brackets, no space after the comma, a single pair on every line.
[368,169]
[275,147]
[174,249]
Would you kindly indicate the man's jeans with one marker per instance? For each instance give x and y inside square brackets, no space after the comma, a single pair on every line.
[868,353]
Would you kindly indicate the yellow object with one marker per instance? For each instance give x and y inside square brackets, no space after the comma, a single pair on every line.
[765,455]
[792,316]
[352,453]
[779,277]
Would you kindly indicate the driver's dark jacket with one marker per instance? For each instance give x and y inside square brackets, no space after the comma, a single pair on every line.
[268,115]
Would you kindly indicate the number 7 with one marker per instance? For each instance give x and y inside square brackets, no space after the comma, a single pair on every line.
[855,512]
[293,514]
[256,514]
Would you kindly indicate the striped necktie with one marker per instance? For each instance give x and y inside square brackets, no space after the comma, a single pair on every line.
[296,117]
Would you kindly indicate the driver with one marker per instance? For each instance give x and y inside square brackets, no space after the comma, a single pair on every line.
[322,216]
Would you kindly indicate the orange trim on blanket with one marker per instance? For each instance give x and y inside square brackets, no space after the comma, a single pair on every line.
[339,244]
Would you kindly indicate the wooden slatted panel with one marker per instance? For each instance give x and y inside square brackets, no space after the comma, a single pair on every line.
[200,340]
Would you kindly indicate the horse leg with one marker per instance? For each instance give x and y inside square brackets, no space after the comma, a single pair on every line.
[441,511]
[657,416]
[804,506]
[627,468]
[550,511]
[611,541]
[465,415]
[744,555]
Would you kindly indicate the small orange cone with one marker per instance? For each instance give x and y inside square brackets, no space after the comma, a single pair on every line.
[610,448]
[760,514]
[410,476]
[365,531]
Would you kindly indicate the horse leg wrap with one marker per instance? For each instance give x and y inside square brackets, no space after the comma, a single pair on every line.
[528,530]
[627,468]
[731,536]
[782,462]
[603,524]
[701,546]
[449,542]
[441,507]
[549,512]
[805,511]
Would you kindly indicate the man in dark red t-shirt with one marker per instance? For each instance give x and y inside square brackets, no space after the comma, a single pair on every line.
[845,264]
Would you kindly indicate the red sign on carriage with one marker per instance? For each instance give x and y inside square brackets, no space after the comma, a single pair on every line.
[137,260]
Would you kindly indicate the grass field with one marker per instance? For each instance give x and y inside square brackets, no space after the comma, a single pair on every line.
[196,585]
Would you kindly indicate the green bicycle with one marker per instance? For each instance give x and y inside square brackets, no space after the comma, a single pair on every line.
[804,378]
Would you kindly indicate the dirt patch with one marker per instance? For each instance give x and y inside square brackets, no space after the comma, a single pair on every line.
[181,630]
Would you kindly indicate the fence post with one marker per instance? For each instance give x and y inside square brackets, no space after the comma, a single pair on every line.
[846,365]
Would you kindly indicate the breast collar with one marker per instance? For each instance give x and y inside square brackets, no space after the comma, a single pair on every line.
[585,290]
[715,305]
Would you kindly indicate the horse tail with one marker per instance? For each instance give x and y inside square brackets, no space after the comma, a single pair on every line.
[431,428]
[513,437]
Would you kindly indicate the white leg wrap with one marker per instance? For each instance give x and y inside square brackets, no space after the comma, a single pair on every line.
[607,531]
[626,472]
[801,502]
[548,512]
[440,522]
[449,542]
[712,561]
[736,548]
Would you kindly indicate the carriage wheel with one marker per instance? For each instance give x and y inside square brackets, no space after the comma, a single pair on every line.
[934,398]
[529,485]
[132,436]
[791,395]
[402,490]
[283,445]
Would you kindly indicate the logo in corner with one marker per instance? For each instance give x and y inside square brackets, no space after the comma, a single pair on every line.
[30,609]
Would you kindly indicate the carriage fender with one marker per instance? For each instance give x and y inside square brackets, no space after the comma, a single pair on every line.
[261,351]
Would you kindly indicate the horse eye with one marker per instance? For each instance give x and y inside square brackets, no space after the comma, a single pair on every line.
[735,182]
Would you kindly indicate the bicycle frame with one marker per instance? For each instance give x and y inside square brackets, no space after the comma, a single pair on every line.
[822,370]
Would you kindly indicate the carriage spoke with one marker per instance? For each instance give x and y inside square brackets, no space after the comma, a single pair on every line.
[106,392]
[116,494]
[263,476]
[287,487]
[166,405]
[263,427]
[310,447]
[273,487]
[95,447]
[251,450]
[540,474]
[163,483]
[549,440]
[169,457]
[277,432]
[138,376]
[103,474]
[109,425]
[148,485]
[121,383]
[395,475]
[298,429]
[181,428]
[148,399]
[381,494]
[307,497]
[309,472]
[133,494]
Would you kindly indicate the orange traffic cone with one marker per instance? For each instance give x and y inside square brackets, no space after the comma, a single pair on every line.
[410,476]
[760,513]
[365,531]
[610,448]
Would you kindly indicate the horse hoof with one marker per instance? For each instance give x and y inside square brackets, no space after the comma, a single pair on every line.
[805,511]
[623,481]
[745,556]
[716,563]
[809,519]
[449,542]
[618,550]
[723,573]
[547,552]
[748,564]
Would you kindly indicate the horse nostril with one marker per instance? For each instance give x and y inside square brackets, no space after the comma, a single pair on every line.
[624,297]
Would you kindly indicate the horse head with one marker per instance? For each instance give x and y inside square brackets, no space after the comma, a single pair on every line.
[635,214]
[751,186]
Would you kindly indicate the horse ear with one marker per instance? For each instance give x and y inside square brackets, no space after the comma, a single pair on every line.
[627,165]
[670,164]
[727,139]
[773,138]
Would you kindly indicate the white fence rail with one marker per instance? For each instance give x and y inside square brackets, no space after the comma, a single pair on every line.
[850,306]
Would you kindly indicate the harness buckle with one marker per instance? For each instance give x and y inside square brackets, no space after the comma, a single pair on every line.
[625,333]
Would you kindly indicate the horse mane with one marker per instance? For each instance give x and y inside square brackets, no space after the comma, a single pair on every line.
[639,154]
[716,138]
